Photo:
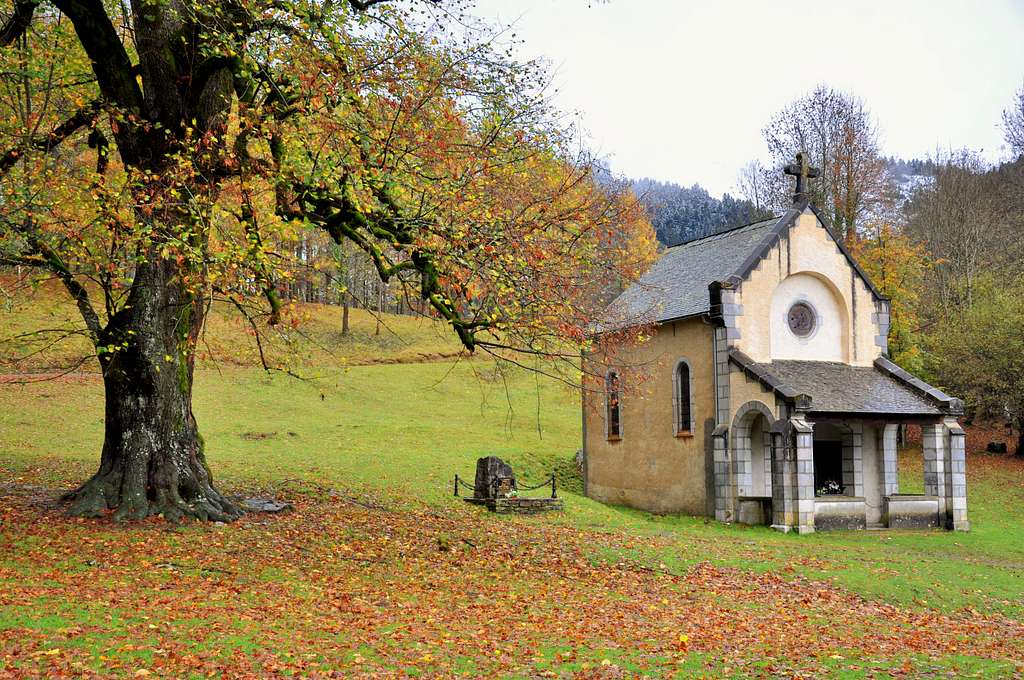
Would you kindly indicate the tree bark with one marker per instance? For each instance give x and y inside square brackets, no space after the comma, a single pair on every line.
[152,461]
[344,313]
[1020,439]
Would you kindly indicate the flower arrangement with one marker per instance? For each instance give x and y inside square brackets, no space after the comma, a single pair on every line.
[831,488]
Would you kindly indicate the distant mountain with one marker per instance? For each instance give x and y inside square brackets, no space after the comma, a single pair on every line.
[681,214]
[910,175]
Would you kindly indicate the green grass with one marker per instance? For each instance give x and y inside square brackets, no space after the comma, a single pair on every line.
[401,432]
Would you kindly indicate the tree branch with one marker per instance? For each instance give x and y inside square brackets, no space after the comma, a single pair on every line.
[51,260]
[112,66]
[363,5]
[84,116]
[18,22]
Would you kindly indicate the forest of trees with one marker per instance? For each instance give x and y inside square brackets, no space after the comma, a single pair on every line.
[681,214]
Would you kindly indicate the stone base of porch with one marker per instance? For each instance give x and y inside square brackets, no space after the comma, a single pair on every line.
[755,510]
[911,511]
[840,512]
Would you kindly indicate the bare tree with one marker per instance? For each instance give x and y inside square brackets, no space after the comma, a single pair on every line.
[752,184]
[1013,124]
[837,131]
[960,220]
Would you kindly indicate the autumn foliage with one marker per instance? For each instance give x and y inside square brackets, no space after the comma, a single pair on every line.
[156,170]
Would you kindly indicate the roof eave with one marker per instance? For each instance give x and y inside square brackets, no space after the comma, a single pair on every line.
[949,405]
[799,400]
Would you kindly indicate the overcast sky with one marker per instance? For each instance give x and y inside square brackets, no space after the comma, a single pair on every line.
[680,90]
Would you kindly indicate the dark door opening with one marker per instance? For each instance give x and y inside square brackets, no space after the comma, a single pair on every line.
[828,468]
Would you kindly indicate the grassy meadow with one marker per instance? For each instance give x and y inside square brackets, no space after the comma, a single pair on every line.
[380,572]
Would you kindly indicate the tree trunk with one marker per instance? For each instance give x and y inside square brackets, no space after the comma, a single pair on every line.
[380,307]
[152,461]
[344,313]
[1020,438]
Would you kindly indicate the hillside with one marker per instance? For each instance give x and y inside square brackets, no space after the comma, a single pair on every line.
[309,338]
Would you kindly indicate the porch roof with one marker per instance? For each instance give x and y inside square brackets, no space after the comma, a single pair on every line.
[836,388]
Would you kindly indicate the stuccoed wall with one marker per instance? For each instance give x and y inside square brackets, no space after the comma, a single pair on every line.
[651,468]
[743,389]
[821,274]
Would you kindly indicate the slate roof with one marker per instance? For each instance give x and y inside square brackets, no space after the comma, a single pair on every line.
[677,285]
[840,388]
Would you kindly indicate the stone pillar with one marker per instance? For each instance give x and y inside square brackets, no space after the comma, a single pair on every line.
[743,469]
[889,469]
[933,446]
[766,442]
[783,472]
[957,475]
[853,460]
[804,436]
[723,478]
[722,374]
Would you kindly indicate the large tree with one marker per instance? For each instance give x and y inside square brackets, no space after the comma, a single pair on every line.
[838,133]
[168,145]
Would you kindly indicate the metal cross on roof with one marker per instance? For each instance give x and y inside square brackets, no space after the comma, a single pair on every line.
[803,171]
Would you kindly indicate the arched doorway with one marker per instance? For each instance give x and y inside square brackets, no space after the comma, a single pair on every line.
[752,462]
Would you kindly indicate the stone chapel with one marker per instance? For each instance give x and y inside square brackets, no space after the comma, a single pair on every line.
[767,394]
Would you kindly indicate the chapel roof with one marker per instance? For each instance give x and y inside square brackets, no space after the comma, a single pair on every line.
[677,285]
[827,387]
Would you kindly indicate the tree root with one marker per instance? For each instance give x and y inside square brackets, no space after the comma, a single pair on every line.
[101,494]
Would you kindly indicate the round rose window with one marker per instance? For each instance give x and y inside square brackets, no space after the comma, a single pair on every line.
[801,319]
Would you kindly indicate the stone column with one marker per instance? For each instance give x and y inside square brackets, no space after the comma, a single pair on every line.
[889,469]
[933,446]
[957,475]
[783,481]
[723,476]
[767,443]
[743,469]
[853,460]
[804,435]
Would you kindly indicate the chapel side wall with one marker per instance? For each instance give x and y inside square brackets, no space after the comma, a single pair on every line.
[807,247]
[650,467]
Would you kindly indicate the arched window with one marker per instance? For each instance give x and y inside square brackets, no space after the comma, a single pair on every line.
[613,406]
[683,398]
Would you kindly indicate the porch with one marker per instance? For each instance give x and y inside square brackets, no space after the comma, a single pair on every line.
[826,456]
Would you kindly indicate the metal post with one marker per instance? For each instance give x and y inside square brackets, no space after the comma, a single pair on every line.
[456,486]
[553,485]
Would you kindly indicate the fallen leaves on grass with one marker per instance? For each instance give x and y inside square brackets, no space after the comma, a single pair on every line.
[338,589]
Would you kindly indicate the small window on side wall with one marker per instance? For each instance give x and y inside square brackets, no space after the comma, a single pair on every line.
[683,398]
[613,405]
